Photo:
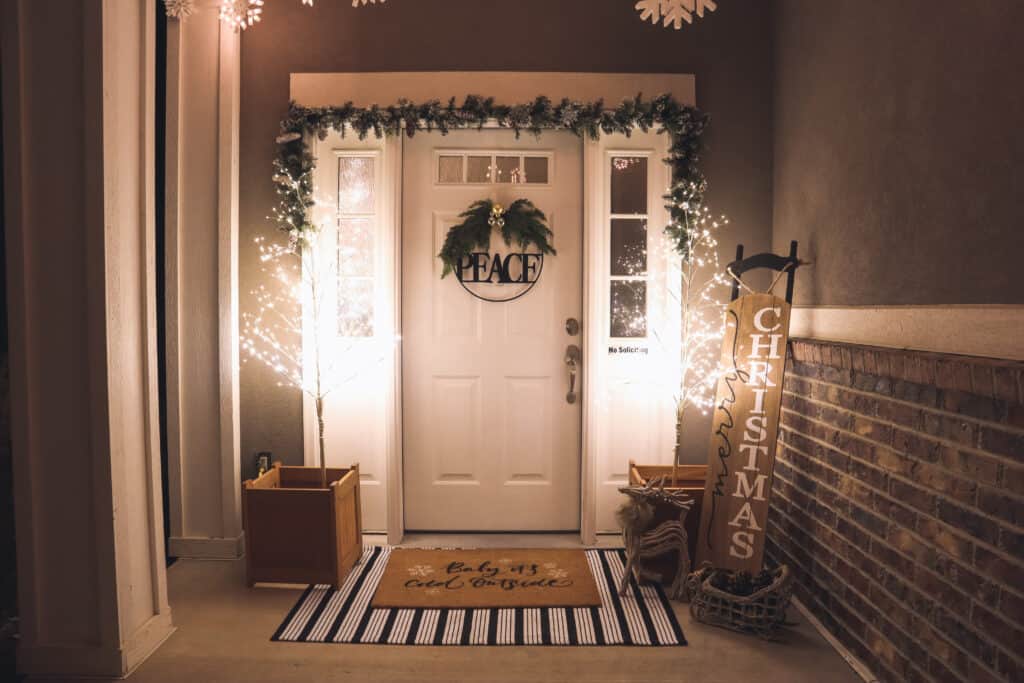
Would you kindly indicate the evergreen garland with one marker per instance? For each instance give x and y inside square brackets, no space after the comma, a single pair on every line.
[293,167]
[522,223]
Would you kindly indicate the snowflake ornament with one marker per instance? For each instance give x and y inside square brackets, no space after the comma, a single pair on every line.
[421,570]
[241,14]
[179,9]
[673,12]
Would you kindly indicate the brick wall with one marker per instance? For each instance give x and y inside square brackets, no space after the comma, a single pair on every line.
[898,499]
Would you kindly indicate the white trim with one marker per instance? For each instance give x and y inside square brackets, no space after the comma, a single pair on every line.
[64,661]
[228,117]
[858,666]
[593,320]
[202,406]
[159,627]
[993,331]
[394,151]
[202,548]
[364,89]
[386,153]
[146,640]
[509,87]
[172,249]
[112,517]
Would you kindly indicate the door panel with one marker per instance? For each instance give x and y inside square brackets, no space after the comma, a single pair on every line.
[489,440]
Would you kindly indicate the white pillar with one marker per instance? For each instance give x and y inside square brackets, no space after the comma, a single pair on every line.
[78,167]
[202,286]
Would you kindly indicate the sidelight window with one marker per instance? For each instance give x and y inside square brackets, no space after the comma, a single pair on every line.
[628,239]
[357,226]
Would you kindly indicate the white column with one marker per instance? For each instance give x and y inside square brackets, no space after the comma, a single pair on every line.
[202,286]
[78,167]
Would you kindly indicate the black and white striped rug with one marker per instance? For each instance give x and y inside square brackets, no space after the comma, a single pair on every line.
[641,617]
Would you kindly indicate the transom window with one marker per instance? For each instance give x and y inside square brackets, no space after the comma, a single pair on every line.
[478,167]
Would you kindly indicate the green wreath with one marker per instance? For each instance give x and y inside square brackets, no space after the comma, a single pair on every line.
[522,223]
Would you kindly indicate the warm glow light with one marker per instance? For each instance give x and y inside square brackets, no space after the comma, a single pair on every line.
[703,282]
[241,14]
[701,301]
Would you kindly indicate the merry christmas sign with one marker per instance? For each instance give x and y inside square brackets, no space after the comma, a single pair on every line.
[744,429]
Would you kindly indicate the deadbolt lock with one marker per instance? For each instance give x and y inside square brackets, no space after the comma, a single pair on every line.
[572,326]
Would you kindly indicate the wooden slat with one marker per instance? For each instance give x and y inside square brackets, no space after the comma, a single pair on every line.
[302,534]
[741,453]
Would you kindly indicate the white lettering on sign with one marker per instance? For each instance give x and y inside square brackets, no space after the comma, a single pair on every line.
[744,489]
[756,431]
[742,545]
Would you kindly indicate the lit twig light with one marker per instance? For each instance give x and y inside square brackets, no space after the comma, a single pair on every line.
[289,328]
[702,320]
[703,283]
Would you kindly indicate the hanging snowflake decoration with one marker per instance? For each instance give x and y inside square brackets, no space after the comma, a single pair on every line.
[673,12]
[180,9]
[241,14]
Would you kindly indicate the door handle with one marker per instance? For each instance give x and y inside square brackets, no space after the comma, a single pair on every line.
[572,361]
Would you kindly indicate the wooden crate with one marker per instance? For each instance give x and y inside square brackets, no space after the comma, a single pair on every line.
[298,532]
[690,479]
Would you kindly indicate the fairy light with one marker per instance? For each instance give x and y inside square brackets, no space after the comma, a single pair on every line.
[286,327]
[240,14]
[703,323]
[701,299]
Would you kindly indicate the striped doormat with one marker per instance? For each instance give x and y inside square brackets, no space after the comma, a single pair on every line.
[641,617]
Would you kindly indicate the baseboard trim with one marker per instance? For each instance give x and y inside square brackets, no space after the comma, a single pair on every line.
[68,662]
[992,331]
[199,548]
[147,640]
[859,667]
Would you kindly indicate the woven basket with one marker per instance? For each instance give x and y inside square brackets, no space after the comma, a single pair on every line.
[760,613]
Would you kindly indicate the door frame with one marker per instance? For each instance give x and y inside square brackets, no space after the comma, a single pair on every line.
[370,88]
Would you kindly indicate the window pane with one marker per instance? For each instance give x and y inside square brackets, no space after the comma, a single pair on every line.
[536,169]
[355,184]
[355,307]
[449,169]
[478,169]
[629,185]
[507,170]
[629,246]
[355,247]
[629,308]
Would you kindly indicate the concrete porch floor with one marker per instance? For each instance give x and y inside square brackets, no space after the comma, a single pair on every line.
[224,628]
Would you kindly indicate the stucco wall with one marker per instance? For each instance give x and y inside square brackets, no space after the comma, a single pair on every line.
[898,150]
[728,51]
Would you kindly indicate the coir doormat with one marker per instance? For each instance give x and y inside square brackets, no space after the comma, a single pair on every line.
[487,578]
[643,616]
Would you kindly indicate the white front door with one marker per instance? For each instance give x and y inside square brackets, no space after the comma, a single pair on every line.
[490,441]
